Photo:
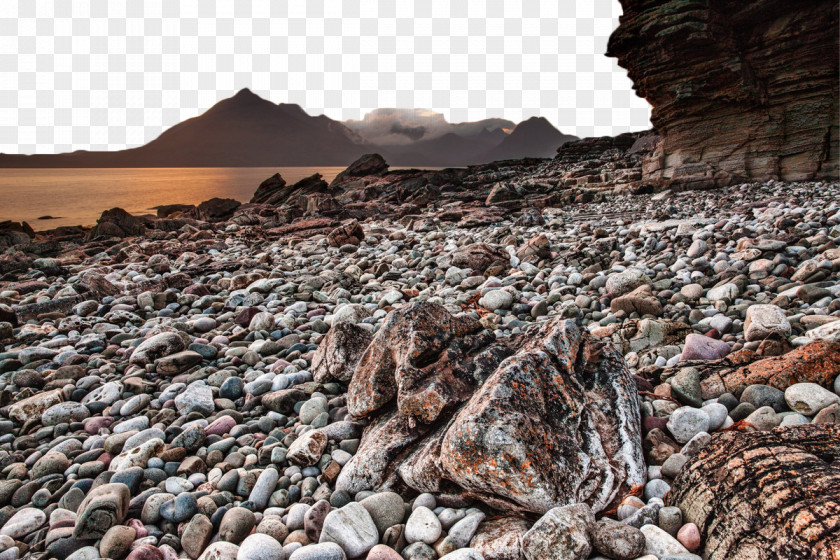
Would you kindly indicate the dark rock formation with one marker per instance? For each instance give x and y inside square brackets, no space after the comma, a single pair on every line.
[168,210]
[368,164]
[450,415]
[350,233]
[761,495]
[217,209]
[116,222]
[741,90]
[267,188]
[295,198]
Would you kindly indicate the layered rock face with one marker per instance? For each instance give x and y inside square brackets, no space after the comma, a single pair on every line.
[747,507]
[740,91]
[548,419]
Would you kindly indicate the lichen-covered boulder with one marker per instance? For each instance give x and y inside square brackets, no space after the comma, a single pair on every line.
[542,420]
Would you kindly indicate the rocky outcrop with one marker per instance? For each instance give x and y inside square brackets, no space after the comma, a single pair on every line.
[368,164]
[526,425]
[116,222]
[274,191]
[740,91]
[217,209]
[748,506]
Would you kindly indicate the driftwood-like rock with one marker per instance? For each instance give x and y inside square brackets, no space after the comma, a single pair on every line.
[740,90]
[546,419]
[765,495]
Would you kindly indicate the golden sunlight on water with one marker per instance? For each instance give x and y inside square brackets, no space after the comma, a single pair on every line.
[78,196]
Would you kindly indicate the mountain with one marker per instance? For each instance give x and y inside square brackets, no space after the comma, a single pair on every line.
[396,127]
[244,130]
[535,137]
[248,131]
[449,150]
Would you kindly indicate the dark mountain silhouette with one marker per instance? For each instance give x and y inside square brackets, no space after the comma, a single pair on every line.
[244,130]
[248,131]
[535,137]
[449,150]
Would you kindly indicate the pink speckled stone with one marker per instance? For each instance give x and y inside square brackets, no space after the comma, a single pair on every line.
[220,426]
[689,536]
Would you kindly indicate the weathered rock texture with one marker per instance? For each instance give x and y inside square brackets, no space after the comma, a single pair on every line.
[741,90]
[818,362]
[544,420]
[762,495]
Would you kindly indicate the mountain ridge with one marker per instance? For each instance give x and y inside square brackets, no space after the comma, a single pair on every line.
[246,130]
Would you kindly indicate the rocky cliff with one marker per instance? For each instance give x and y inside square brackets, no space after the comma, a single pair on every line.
[740,90]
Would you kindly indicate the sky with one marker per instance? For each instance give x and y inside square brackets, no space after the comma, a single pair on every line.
[112,74]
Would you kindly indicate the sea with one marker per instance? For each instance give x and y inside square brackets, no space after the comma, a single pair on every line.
[49,198]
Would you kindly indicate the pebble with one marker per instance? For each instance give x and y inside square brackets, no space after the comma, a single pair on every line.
[686,422]
[260,546]
[422,526]
[809,398]
[352,528]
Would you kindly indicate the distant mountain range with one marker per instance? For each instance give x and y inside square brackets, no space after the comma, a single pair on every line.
[248,131]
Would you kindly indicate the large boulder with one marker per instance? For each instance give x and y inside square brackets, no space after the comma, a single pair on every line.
[368,164]
[772,494]
[543,420]
[268,188]
[158,346]
[740,90]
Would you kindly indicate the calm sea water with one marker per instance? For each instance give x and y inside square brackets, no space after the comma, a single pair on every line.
[78,196]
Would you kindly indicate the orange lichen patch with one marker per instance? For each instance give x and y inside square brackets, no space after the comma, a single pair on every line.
[740,426]
[818,362]
[472,305]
